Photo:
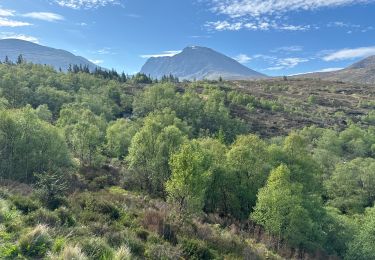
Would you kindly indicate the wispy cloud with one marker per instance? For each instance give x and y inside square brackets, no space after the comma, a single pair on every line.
[12,35]
[45,16]
[85,4]
[254,26]
[97,62]
[293,48]
[282,63]
[5,22]
[346,54]
[104,51]
[257,8]
[317,71]
[163,54]
[268,14]
[6,12]
[242,58]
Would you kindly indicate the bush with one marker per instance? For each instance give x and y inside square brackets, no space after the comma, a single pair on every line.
[9,251]
[66,217]
[128,238]
[96,248]
[195,249]
[25,204]
[123,253]
[163,251]
[73,253]
[43,216]
[36,243]
[107,208]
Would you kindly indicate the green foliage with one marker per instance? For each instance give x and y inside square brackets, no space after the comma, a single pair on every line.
[119,135]
[24,204]
[51,188]
[282,209]
[351,187]
[160,136]
[36,243]
[190,173]
[96,248]
[29,145]
[248,160]
[362,246]
[84,132]
[195,249]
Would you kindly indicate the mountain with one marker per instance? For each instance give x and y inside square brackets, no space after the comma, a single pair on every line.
[360,72]
[39,54]
[199,63]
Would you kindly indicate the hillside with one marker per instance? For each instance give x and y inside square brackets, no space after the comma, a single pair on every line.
[39,54]
[198,63]
[94,166]
[360,72]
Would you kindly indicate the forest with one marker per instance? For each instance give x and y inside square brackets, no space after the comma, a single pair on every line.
[100,165]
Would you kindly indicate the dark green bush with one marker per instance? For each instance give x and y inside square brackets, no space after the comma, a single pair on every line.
[96,248]
[66,216]
[25,204]
[195,249]
[43,216]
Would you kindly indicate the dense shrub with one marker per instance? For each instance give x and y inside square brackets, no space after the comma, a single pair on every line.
[195,249]
[43,216]
[36,243]
[163,251]
[96,248]
[25,204]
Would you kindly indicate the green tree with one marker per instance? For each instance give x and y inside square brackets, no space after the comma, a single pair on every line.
[160,136]
[29,145]
[351,187]
[190,173]
[282,211]
[362,246]
[84,132]
[248,160]
[119,135]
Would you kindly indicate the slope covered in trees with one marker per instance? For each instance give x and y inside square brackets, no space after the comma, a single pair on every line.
[94,166]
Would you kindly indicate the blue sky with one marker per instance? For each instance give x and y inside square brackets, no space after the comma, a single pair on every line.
[275,37]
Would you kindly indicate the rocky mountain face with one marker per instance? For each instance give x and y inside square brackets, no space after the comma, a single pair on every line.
[199,63]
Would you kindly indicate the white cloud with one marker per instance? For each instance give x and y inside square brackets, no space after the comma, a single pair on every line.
[293,48]
[254,26]
[104,51]
[97,62]
[5,22]
[85,4]
[45,16]
[286,63]
[257,8]
[10,35]
[346,54]
[269,14]
[242,58]
[329,69]
[317,71]
[6,12]
[163,54]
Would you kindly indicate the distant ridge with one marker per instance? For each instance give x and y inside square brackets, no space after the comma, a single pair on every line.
[360,72]
[197,62]
[39,54]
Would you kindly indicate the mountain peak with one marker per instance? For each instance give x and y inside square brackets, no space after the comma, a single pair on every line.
[38,54]
[198,62]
